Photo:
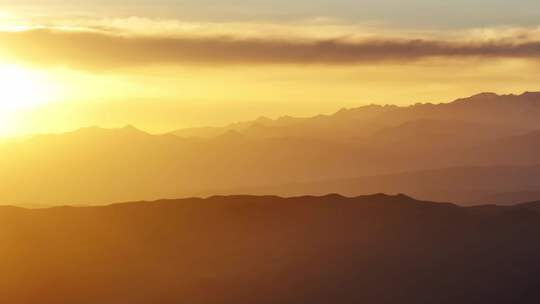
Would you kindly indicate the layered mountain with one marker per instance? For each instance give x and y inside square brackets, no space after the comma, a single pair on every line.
[243,249]
[369,149]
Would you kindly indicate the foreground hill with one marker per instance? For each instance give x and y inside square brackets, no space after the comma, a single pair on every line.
[331,249]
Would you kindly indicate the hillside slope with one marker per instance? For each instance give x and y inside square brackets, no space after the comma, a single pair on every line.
[373,249]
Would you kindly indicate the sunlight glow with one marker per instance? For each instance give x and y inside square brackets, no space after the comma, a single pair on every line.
[21,90]
[6,15]
[9,22]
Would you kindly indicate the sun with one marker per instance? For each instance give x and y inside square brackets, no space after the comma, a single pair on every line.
[21,90]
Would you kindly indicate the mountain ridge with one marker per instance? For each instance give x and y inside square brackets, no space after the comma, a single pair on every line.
[375,110]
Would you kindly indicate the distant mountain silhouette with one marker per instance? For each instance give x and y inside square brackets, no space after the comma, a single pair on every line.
[243,249]
[514,111]
[385,147]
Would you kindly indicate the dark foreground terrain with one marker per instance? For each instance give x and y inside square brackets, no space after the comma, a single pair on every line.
[253,250]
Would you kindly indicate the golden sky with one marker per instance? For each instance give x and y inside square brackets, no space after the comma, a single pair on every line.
[64,67]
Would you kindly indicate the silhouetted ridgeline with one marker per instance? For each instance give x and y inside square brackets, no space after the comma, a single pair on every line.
[242,249]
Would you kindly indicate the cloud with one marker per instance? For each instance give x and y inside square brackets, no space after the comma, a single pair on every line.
[105,50]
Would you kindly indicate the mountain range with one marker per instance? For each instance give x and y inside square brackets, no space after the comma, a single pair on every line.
[481,149]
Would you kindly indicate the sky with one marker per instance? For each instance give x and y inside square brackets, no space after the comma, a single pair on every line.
[167,64]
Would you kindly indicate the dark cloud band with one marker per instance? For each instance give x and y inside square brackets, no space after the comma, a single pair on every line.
[98,50]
